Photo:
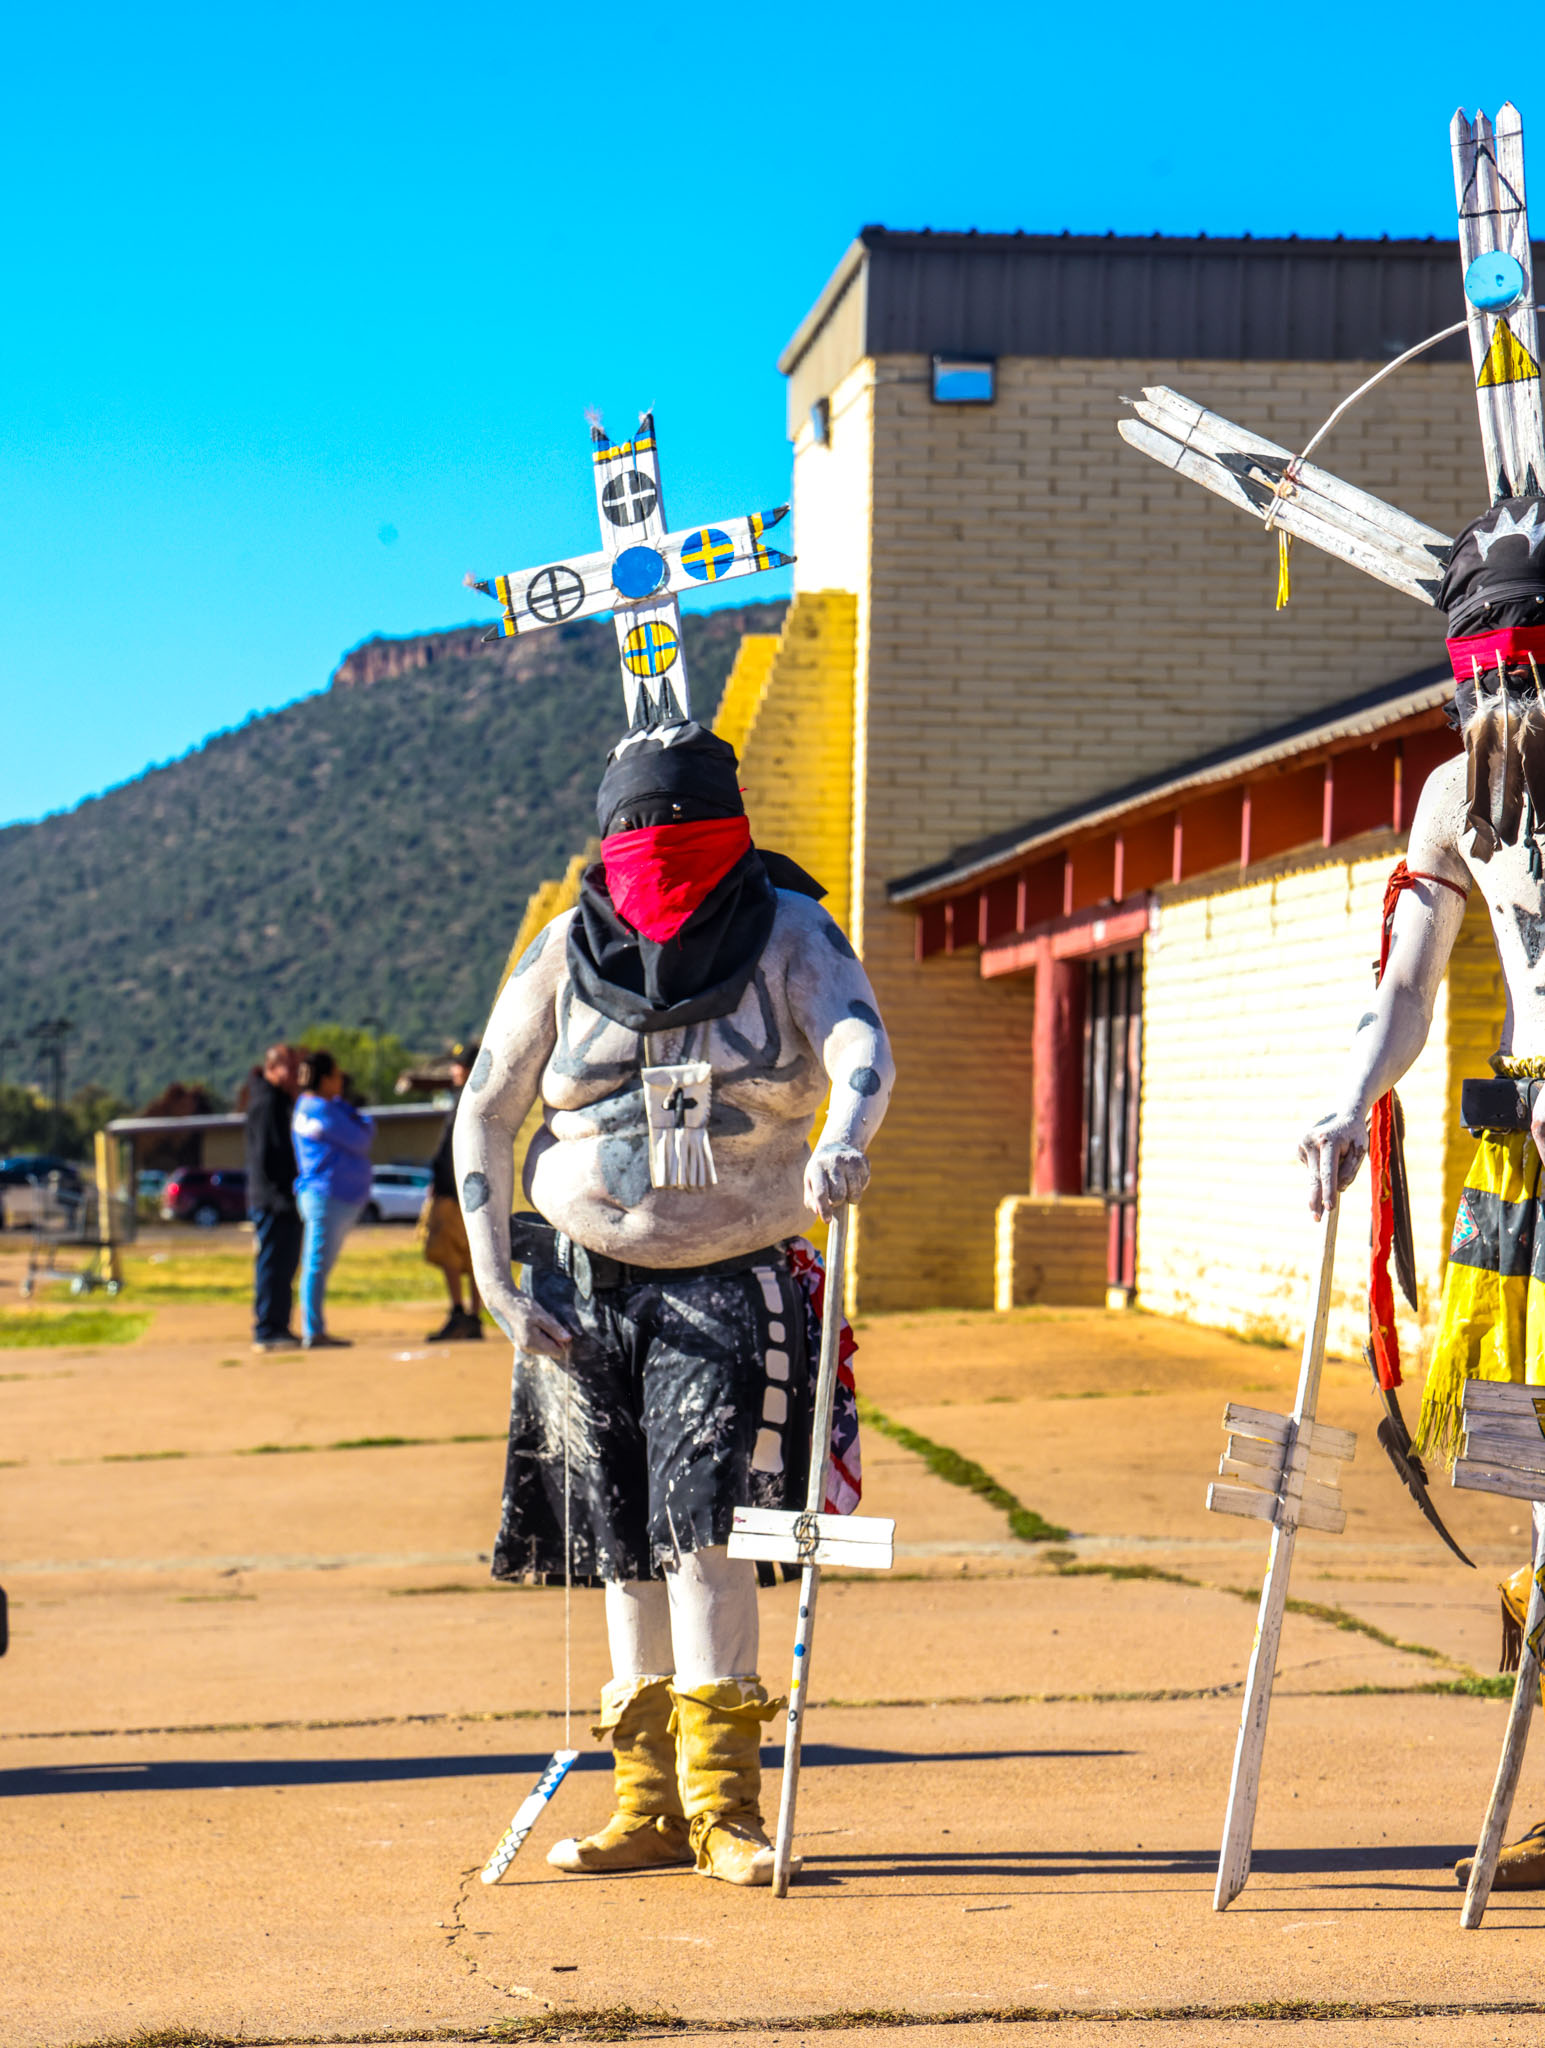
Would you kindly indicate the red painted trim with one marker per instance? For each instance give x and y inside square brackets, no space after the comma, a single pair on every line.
[1070,938]
[1057,1075]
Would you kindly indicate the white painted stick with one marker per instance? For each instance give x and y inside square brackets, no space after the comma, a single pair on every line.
[1483,1870]
[526,1815]
[810,1578]
[1244,1789]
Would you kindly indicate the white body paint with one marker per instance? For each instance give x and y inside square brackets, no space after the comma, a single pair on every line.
[806,1022]
[1427,921]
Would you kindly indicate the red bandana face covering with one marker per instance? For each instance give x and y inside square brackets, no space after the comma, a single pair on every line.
[659,875]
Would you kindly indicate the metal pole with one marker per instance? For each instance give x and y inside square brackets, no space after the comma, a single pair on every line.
[810,1578]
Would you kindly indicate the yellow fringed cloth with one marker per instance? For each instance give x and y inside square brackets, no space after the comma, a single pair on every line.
[1492,1323]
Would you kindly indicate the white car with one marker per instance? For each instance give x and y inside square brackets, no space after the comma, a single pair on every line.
[396,1194]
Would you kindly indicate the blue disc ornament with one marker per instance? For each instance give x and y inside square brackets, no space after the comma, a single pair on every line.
[1494,281]
[638,572]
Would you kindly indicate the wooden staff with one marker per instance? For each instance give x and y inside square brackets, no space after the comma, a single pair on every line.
[1483,1870]
[810,1576]
[1503,1451]
[1286,1512]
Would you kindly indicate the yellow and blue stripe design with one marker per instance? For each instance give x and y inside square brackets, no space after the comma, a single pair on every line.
[708,554]
[650,649]
[642,445]
[757,523]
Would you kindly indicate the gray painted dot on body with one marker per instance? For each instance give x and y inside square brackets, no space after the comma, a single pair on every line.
[482,1067]
[838,940]
[864,1081]
[533,952]
[865,1014]
[624,1164]
[475,1192]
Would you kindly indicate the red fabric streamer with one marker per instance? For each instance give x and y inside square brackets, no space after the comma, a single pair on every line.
[1512,643]
[1381,1138]
[659,875]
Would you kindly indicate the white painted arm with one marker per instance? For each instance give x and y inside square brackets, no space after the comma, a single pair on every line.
[498,1096]
[1393,1029]
[834,1006]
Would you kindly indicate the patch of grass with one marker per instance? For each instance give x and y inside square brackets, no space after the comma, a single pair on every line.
[139,1457]
[367,1271]
[420,1592]
[1269,1336]
[627,2023]
[1131,1571]
[605,2023]
[1478,1685]
[1313,1610]
[21,1329]
[1106,1394]
[955,1470]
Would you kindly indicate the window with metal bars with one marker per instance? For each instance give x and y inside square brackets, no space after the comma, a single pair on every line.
[1113,1070]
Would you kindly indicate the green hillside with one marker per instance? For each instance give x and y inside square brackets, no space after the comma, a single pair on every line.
[365,852]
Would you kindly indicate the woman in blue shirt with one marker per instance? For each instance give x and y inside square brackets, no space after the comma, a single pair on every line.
[332,1184]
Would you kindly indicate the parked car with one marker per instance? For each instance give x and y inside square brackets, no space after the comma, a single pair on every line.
[34,1184]
[205,1196]
[396,1194]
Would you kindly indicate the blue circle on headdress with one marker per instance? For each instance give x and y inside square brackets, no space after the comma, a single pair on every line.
[1494,280]
[638,572]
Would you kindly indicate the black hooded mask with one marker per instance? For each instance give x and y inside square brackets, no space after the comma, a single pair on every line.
[679,774]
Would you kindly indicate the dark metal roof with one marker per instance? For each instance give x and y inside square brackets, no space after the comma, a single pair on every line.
[1099,296]
[1360,717]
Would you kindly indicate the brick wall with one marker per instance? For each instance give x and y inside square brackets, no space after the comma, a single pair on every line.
[1051,1251]
[1251,996]
[796,748]
[1044,614]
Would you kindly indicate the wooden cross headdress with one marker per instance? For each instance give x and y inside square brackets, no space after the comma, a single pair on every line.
[1290,493]
[635,576]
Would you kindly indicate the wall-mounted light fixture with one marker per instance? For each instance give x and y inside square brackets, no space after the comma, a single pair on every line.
[964,380]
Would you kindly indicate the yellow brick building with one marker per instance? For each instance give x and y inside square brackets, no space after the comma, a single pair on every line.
[1002,614]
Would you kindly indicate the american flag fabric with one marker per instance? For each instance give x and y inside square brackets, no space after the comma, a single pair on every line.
[844,1475]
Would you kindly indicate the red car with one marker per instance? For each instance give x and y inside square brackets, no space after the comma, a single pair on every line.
[205,1196]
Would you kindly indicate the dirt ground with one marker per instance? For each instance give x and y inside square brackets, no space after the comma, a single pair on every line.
[264,1715]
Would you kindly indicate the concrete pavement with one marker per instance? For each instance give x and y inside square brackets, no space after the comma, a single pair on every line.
[264,1716]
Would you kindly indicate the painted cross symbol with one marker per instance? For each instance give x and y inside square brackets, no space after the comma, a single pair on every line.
[636,576]
[629,498]
[708,554]
[678,1102]
[650,649]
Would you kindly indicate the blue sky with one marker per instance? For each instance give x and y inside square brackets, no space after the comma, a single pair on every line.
[281,282]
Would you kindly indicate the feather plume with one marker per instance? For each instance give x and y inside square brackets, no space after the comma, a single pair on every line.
[1487,750]
[1530,742]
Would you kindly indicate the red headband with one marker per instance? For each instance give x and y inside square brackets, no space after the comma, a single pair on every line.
[1511,643]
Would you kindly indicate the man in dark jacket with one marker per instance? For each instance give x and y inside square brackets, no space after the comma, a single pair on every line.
[271,1199]
[442,1231]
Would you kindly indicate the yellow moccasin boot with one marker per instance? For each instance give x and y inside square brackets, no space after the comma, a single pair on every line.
[1515,1591]
[1520,1867]
[718,1744]
[648,1830]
